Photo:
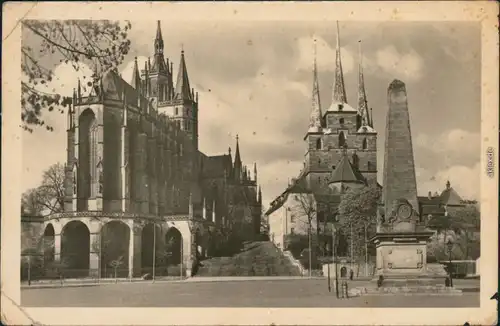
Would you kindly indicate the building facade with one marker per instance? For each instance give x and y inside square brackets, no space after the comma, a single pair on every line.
[134,166]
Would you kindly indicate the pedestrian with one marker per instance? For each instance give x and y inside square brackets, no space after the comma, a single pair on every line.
[351,274]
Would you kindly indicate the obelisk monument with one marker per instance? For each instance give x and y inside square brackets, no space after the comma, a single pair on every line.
[401,236]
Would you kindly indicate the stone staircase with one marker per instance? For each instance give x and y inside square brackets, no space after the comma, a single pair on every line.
[260,258]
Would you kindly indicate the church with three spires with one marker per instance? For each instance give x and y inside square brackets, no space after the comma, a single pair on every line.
[340,153]
[135,176]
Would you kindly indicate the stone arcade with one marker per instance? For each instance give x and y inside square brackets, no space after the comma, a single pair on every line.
[135,178]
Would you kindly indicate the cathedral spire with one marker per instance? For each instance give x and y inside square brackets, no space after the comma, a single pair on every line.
[255,172]
[136,77]
[182,88]
[158,59]
[339,94]
[237,161]
[362,102]
[315,118]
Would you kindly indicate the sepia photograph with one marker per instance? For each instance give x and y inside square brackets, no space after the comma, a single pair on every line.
[250,162]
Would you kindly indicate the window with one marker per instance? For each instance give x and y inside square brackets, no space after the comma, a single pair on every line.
[176,111]
[319,143]
[292,218]
[341,121]
[369,165]
[292,231]
[365,145]
[355,161]
[341,139]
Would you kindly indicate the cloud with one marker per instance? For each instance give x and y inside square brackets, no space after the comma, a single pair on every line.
[402,65]
[324,53]
[456,141]
[465,180]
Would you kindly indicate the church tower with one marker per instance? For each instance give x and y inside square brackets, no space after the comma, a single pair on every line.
[341,132]
[366,143]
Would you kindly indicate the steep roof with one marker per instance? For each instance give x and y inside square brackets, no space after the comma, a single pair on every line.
[182,87]
[450,197]
[345,172]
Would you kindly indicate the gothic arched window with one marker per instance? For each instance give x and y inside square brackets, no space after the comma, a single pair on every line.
[319,143]
[93,139]
[365,145]
[355,161]
[341,121]
[87,154]
[341,139]
[369,165]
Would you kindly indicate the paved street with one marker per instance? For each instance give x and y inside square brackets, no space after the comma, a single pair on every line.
[249,293]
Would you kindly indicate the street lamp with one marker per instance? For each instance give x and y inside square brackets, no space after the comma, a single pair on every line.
[449,246]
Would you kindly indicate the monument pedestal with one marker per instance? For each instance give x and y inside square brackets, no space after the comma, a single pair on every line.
[402,267]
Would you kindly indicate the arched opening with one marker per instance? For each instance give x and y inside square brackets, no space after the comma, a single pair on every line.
[343,271]
[114,249]
[341,122]
[319,143]
[364,145]
[341,139]
[75,249]
[48,245]
[173,251]
[150,246]
[87,157]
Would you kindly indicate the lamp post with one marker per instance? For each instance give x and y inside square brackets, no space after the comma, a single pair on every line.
[449,246]
[334,256]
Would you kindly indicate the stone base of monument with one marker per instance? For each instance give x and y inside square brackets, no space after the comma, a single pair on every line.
[402,266]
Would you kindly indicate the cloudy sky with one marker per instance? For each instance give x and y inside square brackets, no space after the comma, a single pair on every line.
[255,80]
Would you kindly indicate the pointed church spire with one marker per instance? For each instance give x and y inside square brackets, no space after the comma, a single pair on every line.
[362,102]
[339,94]
[136,77]
[237,161]
[255,172]
[315,118]
[182,88]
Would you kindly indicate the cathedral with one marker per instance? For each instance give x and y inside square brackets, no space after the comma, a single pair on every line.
[136,176]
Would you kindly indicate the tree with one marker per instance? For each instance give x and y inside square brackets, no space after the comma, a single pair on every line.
[52,188]
[31,203]
[48,198]
[100,44]
[305,209]
[357,218]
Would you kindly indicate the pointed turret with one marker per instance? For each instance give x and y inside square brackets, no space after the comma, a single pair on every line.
[182,88]
[315,118]
[70,111]
[213,211]
[339,97]
[255,172]
[136,76]
[366,125]
[237,161]
[158,59]
[204,209]
[362,102]
[191,210]
[339,94]
[125,109]
[79,91]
